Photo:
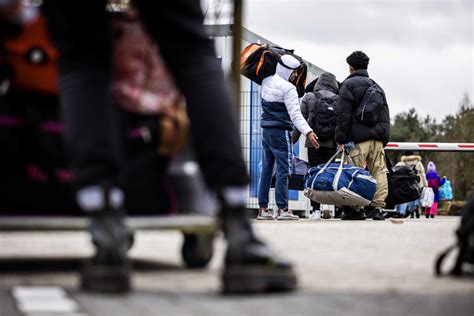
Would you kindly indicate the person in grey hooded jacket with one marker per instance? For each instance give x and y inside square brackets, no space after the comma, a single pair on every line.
[324,94]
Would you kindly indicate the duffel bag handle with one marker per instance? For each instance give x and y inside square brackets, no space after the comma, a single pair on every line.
[328,163]
[339,170]
[324,167]
[344,157]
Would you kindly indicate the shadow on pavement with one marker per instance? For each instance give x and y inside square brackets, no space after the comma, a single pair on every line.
[51,265]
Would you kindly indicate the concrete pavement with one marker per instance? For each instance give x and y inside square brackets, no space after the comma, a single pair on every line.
[345,268]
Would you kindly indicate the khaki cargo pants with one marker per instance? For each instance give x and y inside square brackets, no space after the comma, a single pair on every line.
[372,153]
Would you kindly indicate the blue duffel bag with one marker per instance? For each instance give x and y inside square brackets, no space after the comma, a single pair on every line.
[340,183]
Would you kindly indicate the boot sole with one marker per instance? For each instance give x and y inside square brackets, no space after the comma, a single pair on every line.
[353,218]
[246,279]
[95,278]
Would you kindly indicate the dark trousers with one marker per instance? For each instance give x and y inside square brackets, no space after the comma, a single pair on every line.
[317,157]
[80,32]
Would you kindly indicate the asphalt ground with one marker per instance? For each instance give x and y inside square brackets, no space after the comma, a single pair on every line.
[344,268]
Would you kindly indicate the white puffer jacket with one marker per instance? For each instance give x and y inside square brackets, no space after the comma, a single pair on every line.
[277,89]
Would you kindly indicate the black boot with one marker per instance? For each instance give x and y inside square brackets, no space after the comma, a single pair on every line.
[378,215]
[368,211]
[417,212]
[250,266]
[352,214]
[109,269]
[338,213]
[392,214]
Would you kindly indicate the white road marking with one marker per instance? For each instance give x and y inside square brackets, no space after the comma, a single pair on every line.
[45,301]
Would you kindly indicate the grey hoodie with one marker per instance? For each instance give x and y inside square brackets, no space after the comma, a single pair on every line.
[327,86]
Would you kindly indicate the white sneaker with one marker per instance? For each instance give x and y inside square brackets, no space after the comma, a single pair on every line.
[316,215]
[265,214]
[286,215]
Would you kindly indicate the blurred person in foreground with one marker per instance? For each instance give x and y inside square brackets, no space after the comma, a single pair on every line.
[80,31]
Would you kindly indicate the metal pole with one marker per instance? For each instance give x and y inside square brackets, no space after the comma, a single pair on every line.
[236,47]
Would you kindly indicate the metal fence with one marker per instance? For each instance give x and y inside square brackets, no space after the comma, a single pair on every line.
[251,139]
[250,134]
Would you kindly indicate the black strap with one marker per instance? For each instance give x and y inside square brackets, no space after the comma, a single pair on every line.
[441,258]
[457,269]
[388,162]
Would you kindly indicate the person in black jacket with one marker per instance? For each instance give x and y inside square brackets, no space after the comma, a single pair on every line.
[369,139]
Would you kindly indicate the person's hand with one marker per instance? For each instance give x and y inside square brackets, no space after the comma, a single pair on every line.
[313,139]
[340,147]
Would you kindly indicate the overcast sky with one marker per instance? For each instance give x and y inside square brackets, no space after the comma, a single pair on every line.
[421,51]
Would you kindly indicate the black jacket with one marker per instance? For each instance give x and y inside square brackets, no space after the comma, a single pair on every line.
[348,128]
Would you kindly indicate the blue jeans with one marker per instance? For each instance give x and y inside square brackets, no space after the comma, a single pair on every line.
[410,207]
[413,205]
[276,146]
[401,208]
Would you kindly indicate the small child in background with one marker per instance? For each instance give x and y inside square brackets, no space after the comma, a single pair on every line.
[434,182]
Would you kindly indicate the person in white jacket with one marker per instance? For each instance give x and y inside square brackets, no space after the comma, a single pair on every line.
[280,112]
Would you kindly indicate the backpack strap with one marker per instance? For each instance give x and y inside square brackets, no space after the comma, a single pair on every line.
[440,259]
[383,91]
[389,165]
[317,95]
[456,271]
[313,113]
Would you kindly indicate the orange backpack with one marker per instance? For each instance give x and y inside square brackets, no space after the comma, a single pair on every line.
[258,61]
[141,83]
[31,58]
